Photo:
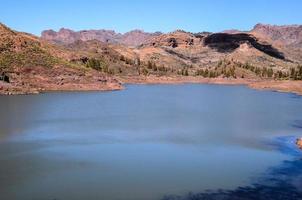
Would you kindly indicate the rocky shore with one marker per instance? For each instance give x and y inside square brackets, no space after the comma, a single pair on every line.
[299,143]
[96,83]
[6,89]
[34,80]
[275,85]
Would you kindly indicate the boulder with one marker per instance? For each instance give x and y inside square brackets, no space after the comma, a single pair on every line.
[299,143]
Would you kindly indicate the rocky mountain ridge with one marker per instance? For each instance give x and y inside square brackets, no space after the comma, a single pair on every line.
[131,38]
[282,34]
[290,35]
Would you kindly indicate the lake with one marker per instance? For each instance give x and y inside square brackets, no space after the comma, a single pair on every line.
[151,142]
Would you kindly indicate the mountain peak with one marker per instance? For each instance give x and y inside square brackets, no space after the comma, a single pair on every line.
[64,35]
[65,30]
[285,34]
[261,25]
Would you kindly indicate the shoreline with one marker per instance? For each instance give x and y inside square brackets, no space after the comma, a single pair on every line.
[287,86]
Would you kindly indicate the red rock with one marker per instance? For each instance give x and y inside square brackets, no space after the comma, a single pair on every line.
[287,34]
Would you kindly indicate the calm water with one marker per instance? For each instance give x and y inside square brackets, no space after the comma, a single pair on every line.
[151,142]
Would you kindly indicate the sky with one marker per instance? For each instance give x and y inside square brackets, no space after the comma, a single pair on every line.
[33,16]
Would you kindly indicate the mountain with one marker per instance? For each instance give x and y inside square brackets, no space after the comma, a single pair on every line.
[132,38]
[286,37]
[101,59]
[289,35]
[31,65]
[283,42]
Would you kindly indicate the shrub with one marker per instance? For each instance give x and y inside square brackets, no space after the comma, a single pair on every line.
[97,64]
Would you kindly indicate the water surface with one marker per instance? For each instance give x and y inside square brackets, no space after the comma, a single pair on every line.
[149,142]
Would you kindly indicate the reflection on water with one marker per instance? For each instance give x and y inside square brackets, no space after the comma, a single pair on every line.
[283,182]
[150,142]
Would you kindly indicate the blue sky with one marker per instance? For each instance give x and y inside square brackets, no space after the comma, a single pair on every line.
[150,15]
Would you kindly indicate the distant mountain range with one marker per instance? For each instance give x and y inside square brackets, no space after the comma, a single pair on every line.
[286,35]
[132,38]
[100,59]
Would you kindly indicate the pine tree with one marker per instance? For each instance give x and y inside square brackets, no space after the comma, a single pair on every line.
[149,64]
[186,72]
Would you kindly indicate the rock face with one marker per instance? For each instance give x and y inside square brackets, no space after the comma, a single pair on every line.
[225,42]
[290,35]
[299,143]
[136,37]
[67,36]
[222,42]
[174,39]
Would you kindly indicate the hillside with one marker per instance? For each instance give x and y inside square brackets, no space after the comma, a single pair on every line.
[97,59]
[181,52]
[217,55]
[288,35]
[30,65]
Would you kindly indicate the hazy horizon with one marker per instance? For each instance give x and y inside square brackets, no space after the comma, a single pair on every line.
[151,16]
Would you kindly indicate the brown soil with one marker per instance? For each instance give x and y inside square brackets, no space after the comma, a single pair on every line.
[31,80]
[60,79]
[281,86]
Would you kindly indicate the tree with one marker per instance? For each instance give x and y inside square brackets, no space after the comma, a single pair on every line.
[94,64]
[200,72]
[212,74]
[129,61]
[186,73]
[219,63]
[154,67]
[299,72]
[293,73]
[264,72]
[149,65]
[111,71]
[270,73]
[206,73]
[257,70]
[106,69]
[279,74]
[4,77]
[122,58]
[145,72]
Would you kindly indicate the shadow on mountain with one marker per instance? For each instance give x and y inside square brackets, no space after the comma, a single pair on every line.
[224,42]
[283,182]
